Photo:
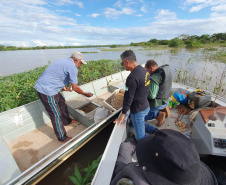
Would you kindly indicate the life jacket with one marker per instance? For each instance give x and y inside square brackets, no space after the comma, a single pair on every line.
[133,172]
[165,86]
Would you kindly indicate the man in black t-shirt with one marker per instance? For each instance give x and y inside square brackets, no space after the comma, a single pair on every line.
[135,98]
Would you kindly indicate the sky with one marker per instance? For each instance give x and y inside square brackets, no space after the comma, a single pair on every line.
[31,23]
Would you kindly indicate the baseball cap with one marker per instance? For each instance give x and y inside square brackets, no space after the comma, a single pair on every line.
[79,56]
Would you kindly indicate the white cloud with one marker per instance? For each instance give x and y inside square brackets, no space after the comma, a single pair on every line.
[31,23]
[63,11]
[219,8]
[66,2]
[78,15]
[197,5]
[126,7]
[165,15]
[144,9]
[39,43]
[118,4]
[198,8]
[127,11]
[79,4]
[61,2]
[113,13]
[189,2]
[94,15]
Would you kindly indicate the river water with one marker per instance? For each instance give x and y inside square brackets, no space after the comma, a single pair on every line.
[195,69]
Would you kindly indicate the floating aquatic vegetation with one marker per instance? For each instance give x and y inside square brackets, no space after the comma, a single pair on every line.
[18,89]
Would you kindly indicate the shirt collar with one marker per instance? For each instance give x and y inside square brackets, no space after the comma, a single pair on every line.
[71,60]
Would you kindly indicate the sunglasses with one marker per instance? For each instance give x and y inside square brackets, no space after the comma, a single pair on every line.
[122,62]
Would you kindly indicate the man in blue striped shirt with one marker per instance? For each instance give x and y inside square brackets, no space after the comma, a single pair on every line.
[48,87]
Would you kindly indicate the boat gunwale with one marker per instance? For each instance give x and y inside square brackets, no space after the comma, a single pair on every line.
[119,130]
[44,162]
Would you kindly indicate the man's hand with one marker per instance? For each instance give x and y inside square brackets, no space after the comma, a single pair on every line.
[88,94]
[120,120]
[77,89]
[66,89]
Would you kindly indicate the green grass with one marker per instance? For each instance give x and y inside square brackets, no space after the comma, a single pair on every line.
[216,55]
[154,47]
[185,75]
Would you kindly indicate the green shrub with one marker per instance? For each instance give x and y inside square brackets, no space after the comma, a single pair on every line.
[113,46]
[176,42]
[194,44]
[163,42]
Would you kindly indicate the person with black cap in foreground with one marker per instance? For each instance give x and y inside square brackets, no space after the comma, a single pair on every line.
[49,85]
[166,158]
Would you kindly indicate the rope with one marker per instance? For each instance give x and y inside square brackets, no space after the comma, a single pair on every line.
[182,110]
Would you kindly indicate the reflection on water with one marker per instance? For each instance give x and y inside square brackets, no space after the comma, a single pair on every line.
[199,72]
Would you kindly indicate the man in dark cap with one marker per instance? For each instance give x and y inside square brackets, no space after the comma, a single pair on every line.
[166,158]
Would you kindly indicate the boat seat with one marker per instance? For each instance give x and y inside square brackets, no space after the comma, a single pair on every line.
[207,114]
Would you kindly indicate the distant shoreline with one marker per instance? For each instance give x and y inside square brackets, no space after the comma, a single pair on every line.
[193,41]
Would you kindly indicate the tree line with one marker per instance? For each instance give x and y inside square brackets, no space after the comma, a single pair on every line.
[192,41]
[8,48]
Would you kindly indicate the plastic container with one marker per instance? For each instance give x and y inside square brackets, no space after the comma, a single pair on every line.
[109,99]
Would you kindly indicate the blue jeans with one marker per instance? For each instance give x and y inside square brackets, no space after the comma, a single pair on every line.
[139,125]
[153,113]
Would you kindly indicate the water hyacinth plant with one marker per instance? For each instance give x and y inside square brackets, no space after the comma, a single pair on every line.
[78,179]
[18,89]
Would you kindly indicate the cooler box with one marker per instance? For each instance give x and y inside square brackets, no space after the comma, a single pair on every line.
[199,99]
[114,101]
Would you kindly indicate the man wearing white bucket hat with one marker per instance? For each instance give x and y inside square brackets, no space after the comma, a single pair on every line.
[49,85]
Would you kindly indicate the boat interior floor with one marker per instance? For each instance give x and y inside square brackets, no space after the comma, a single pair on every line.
[170,122]
[33,146]
[28,149]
